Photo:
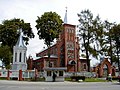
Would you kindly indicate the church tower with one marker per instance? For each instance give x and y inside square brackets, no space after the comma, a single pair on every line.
[68,57]
[19,54]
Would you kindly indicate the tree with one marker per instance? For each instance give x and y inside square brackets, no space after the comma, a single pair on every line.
[98,38]
[108,39]
[87,33]
[49,25]
[5,56]
[9,34]
[116,40]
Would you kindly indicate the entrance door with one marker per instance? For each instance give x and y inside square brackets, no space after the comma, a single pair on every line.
[105,71]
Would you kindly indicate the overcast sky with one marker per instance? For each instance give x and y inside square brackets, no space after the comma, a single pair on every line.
[28,10]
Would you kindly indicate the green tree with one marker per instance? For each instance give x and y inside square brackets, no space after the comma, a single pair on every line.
[49,25]
[116,41]
[108,40]
[5,56]
[87,33]
[9,34]
[98,38]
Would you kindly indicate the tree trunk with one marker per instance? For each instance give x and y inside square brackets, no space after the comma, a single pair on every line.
[111,56]
[49,56]
[88,61]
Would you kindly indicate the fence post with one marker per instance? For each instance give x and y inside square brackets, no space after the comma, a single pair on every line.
[20,75]
[36,74]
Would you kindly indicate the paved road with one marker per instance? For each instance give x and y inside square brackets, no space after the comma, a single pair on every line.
[22,85]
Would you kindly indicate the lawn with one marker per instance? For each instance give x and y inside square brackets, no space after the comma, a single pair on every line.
[94,80]
[89,80]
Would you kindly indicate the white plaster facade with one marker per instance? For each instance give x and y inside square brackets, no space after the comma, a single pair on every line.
[19,55]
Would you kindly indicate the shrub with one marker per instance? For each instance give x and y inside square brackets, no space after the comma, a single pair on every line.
[77,78]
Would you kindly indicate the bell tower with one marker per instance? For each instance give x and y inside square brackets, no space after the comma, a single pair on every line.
[68,57]
[19,54]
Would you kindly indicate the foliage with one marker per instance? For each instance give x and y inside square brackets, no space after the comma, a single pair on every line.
[108,40]
[116,40]
[77,78]
[49,25]
[87,33]
[5,56]
[9,34]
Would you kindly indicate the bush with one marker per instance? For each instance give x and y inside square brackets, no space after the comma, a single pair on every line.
[113,78]
[77,78]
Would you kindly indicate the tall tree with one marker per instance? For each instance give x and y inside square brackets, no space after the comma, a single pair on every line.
[5,56]
[9,34]
[49,25]
[116,40]
[108,39]
[98,38]
[87,33]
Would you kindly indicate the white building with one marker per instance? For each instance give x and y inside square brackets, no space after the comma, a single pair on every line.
[19,54]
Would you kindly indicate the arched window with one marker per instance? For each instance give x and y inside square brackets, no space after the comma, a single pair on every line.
[84,66]
[24,57]
[20,57]
[15,57]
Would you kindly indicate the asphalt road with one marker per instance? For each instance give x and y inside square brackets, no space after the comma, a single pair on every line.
[22,85]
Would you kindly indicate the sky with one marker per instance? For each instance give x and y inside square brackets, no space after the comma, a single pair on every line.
[28,10]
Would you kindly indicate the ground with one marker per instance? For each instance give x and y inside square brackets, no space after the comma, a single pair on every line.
[23,85]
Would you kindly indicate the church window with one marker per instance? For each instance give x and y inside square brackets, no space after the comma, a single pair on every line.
[84,66]
[24,57]
[15,57]
[20,57]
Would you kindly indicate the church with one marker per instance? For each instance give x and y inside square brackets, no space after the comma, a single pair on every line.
[65,53]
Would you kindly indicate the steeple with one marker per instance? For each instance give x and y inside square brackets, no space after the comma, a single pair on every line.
[19,54]
[20,42]
[65,18]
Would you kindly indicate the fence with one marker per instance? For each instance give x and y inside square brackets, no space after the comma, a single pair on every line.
[16,73]
[33,73]
[86,74]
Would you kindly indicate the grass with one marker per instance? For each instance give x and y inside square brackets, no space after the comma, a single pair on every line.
[88,79]
[2,78]
[94,80]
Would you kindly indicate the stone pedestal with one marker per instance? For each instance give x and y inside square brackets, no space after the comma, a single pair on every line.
[21,66]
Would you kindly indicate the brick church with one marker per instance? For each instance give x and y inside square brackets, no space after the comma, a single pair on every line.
[65,53]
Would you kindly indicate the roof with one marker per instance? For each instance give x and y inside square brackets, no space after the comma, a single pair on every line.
[44,49]
[35,58]
[55,68]
[51,56]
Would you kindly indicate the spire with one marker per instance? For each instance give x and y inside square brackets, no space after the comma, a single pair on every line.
[65,18]
[20,42]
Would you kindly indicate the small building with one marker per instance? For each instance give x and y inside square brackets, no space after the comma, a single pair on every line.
[19,54]
[58,71]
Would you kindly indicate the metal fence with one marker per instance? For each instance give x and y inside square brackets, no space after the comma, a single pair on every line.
[86,74]
[15,73]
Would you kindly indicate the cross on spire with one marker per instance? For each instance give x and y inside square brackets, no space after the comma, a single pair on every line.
[65,18]
[20,41]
